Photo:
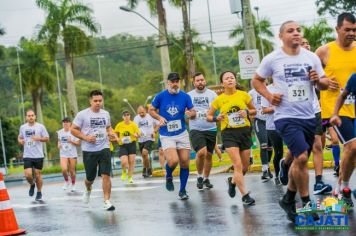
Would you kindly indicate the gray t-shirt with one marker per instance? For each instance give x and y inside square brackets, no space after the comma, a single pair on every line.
[146,125]
[67,149]
[201,103]
[33,149]
[94,123]
[270,116]
[290,75]
[256,100]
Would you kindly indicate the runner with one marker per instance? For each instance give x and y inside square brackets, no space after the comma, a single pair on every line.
[294,70]
[172,104]
[235,106]
[202,133]
[339,61]
[345,128]
[148,127]
[68,153]
[128,132]
[93,127]
[32,135]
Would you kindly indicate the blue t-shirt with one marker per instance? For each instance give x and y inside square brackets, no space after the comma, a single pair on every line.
[351,85]
[172,107]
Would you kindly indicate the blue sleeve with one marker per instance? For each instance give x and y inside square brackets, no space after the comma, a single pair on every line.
[351,84]
[189,102]
[156,101]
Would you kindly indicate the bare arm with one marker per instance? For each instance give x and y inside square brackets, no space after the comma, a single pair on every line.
[258,83]
[210,116]
[268,110]
[154,114]
[112,135]
[75,130]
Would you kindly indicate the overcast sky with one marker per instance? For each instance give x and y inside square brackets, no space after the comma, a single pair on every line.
[20,17]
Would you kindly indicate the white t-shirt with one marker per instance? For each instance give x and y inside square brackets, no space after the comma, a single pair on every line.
[256,100]
[290,76]
[269,116]
[33,149]
[316,104]
[67,149]
[93,123]
[146,125]
[201,103]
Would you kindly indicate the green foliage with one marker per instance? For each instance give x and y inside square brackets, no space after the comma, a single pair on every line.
[318,34]
[10,129]
[335,7]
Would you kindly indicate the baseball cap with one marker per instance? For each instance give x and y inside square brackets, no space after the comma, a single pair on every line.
[66,119]
[125,112]
[173,76]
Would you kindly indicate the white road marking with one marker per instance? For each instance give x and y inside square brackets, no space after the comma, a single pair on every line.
[24,206]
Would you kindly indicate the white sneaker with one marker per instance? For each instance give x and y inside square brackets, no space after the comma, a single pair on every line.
[86,196]
[73,188]
[108,206]
[66,185]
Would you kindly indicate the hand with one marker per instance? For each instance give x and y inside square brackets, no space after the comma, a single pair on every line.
[22,141]
[220,117]
[313,76]
[190,114]
[333,84]
[136,135]
[112,137]
[162,121]
[335,120]
[275,99]
[90,139]
[242,113]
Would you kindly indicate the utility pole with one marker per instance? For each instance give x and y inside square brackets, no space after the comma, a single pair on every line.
[247,20]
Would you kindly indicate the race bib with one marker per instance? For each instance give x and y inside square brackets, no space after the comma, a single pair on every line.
[201,115]
[30,143]
[174,125]
[99,135]
[298,93]
[235,119]
[66,147]
[126,139]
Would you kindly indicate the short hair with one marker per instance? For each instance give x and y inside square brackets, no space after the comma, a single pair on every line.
[197,74]
[345,16]
[30,109]
[95,93]
[141,107]
[283,25]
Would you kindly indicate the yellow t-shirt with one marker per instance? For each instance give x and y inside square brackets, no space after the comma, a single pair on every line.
[341,65]
[229,105]
[126,132]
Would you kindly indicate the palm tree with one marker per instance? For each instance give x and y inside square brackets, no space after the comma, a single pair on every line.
[37,73]
[66,22]
[264,37]
[318,34]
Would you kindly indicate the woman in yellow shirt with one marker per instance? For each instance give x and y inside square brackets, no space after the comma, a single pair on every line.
[235,106]
[128,132]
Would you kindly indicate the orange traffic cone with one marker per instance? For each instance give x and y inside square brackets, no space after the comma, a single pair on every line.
[8,224]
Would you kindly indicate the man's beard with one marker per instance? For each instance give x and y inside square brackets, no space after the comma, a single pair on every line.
[174,90]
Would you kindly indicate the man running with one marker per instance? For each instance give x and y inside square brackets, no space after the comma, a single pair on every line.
[169,107]
[294,70]
[339,61]
[32,135]
[148,127]
[93,127]
[68,153]
[202,133]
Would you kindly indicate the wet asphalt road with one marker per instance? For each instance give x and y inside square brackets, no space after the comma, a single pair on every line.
[146,208]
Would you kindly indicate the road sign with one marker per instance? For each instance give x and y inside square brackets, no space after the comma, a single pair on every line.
[249,61]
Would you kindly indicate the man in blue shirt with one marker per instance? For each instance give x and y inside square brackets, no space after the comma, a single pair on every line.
[345,128]
[169,107]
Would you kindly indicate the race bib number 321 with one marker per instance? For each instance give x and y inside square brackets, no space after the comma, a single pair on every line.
[298,93]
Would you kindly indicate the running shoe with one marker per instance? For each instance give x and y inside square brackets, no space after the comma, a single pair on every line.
[283,172]
[130,180]
[346,196]
[65,185]
[247,200]
[169,184]
[207,183]
[336,171]
[73,188]
[231,190]
[31,192]
[86,196]
[289,208]
[149,172]
[270,173]
[277,182]
[108,206]
[38,196]
[265,176]
[123,176]
[144,173]
[322,188]
[200,184]
[183,195]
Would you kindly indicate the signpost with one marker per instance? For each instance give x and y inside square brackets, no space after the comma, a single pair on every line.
[249,60]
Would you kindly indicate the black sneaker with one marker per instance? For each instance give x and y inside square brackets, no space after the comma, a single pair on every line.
[265,176]
[337,171]
[346,196]
[251,160]
[31,192]
[231,190]
[283,172]
[289,208]
[277,182]
[169,184]
[207,183]
[144,173]
[270,173]
[247,200]
[183,195]
[38,196]
[200,183]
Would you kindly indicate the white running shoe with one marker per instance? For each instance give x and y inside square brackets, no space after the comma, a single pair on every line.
[86,196]
[66,185]
[108,206]
[73,188]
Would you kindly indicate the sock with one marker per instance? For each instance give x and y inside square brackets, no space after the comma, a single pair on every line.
[318,178]
[345,184]
[270,153]
[265,167]
[169,171]
[336,154]
[66,178]
[200,176]
[73,180]
[124,171]
[305,200]
[289,196]
[184,174]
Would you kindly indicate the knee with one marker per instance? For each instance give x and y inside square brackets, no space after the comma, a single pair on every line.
[144,153]
[244,170]
[301,160]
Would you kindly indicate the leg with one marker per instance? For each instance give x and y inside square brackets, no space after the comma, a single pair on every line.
[348,162]
[200,160]
[184,167]
[218,152]
[245,160]
[208,164]
[29,175]
[72,164]
[172,161]
[318,156]
[299,176]
[238,178]
[161,158]
[335,147]
[124,163]
[39,181]
[131,160]
[145,160]
[106,186]
[64,166]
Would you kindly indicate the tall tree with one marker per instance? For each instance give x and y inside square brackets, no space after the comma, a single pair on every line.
[335,7]
[37,73]
[318,34]
[67,21]
[2,32]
